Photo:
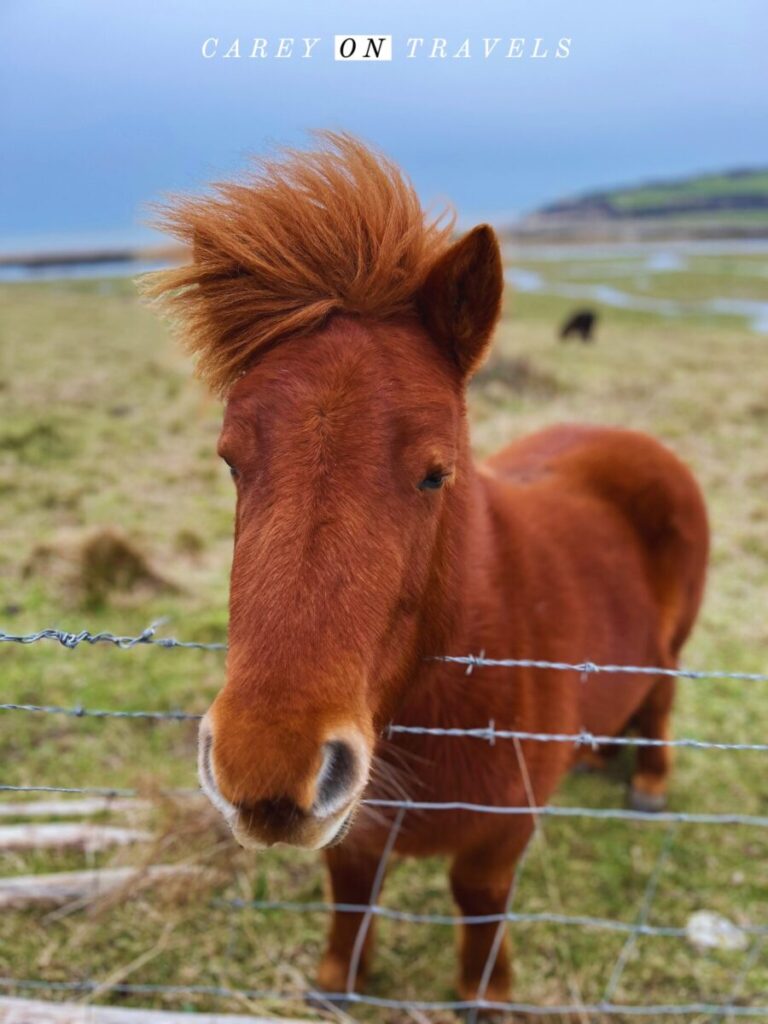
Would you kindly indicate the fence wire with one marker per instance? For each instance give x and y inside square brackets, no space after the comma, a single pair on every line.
[626,951]
[125,643]
[511,916]
[471,661]
[632,931]
[490,734]
[546,811]
[356,998]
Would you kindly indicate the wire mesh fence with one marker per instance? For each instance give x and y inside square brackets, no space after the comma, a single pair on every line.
[732,1006]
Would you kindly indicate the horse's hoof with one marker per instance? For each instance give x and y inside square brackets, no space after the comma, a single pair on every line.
[494,993]
[332,980]
[648,803]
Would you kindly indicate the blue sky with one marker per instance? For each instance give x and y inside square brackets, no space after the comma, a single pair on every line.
[106,104]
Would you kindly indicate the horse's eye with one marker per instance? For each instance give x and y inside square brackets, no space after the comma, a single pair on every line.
[434,480]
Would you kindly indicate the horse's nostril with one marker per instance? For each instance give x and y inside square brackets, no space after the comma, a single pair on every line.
[337,777]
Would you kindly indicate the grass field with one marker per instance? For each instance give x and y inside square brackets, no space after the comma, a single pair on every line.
[705,187]
[734,199]
[102,426]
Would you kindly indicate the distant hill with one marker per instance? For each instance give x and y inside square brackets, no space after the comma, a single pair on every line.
[730,203]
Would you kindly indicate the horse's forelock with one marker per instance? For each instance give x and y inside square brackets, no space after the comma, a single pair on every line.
[304,236]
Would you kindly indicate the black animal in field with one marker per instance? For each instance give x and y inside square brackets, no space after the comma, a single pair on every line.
[580,324]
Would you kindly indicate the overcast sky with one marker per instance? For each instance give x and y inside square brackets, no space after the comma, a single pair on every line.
[105,104]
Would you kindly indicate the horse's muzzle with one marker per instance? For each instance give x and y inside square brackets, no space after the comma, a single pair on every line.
[317,815]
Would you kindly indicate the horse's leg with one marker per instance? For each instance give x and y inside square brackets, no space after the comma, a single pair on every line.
[481,880]
[352,874]
[648,791]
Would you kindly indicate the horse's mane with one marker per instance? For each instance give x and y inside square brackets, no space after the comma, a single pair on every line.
[301,237]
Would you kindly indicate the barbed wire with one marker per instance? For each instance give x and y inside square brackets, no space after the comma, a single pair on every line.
[78,711]
[125,643]
[490,733]
[584,738]
[591,668]
[586,668]
[471,661]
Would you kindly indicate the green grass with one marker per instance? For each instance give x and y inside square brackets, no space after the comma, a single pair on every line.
[707,186]
[699,193]
[101,424]
[699,279]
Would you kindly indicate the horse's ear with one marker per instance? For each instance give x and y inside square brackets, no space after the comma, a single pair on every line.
[460,300]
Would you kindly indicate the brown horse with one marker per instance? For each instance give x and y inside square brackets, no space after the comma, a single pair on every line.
[342,326]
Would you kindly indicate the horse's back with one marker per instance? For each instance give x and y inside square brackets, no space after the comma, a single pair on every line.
[629,473]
